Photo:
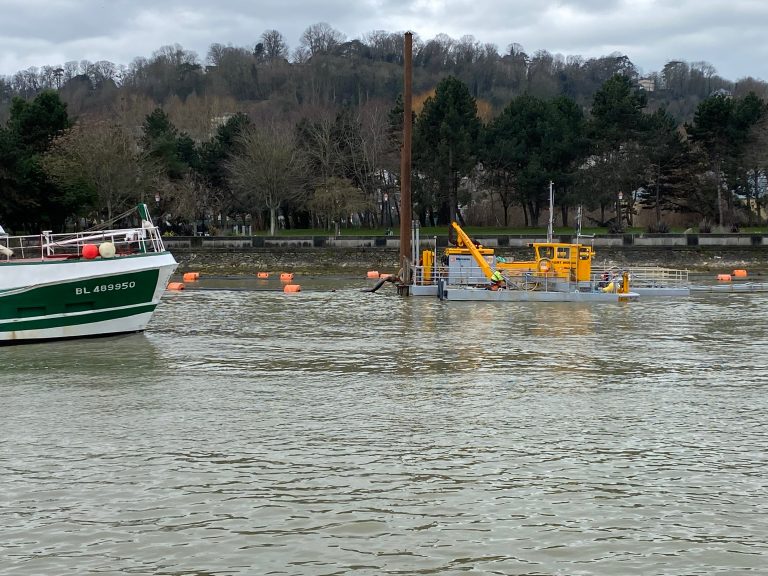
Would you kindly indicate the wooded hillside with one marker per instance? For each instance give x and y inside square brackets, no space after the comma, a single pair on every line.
[310,138]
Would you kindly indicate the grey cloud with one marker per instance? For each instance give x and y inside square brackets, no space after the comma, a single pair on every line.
[651,32]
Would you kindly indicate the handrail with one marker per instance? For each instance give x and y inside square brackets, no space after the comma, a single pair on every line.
[44,246]
[649,276]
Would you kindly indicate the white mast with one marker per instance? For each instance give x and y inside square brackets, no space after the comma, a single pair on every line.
[578,222]
[551,211]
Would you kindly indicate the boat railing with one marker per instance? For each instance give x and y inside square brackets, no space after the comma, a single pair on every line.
[646,276]
[48,246]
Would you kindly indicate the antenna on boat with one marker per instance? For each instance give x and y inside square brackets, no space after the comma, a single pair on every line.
[579,235]
[578,224]
[551,211]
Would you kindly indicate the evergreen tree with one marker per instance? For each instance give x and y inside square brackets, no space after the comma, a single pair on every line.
[444,141]
[615,129]
[28,199]
[713,130]
[664,150]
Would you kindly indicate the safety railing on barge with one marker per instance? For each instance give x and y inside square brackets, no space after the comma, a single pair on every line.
[647,276]
[518,280]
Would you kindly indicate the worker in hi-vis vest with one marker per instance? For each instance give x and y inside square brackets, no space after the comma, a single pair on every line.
[496,280]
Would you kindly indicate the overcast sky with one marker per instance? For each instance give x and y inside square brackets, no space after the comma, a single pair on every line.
[731,35]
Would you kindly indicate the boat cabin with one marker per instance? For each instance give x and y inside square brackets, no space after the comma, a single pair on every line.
[571,262]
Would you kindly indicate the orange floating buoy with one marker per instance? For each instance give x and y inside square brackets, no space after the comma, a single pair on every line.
[262,275]
[176,286]
[286,276]
[373,274]
[385,276]
[292,288]
[739,273]
[724,277]
[191,276]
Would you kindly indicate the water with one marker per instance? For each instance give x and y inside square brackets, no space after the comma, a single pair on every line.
[252,432]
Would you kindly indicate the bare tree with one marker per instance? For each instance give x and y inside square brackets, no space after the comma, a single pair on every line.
[275,46]
[386,46]
[70,70]
[336,199]
[268,171]
[321,38]
[101,156]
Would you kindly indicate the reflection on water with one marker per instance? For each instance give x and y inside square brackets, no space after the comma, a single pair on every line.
[253,432]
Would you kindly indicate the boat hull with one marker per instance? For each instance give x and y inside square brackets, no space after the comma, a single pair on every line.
[642,291]
[468,294]
[71,299]
[660,291]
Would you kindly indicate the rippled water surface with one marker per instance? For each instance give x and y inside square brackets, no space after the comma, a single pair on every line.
[337,432]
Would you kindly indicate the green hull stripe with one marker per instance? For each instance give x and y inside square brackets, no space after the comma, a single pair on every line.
[81,295]
[77,319]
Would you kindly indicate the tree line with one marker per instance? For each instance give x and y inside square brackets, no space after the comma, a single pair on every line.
[329,70]
[340,167]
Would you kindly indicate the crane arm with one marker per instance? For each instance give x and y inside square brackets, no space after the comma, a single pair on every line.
[469,245]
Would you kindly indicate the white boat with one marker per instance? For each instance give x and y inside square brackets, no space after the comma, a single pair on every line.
[91,283]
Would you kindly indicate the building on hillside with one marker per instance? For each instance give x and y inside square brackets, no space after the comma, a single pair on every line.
[647,84]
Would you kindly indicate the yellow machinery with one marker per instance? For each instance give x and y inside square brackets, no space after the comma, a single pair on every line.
[572,262]
[553,260]
[457,261]
[464,244]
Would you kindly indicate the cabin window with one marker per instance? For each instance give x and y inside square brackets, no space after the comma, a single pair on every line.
[546,252]
[563,253]
[584,254]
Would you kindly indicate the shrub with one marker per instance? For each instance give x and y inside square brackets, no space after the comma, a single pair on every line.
[658,228]
[705,226]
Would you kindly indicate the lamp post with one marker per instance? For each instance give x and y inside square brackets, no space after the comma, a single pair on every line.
[619,223]
[158,215]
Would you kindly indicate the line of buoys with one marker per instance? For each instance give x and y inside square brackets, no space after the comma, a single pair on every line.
[724,277]
[286,276]
[176,286]
[262,275]
[373,274]
[292,288]
[191,276]
[740,273]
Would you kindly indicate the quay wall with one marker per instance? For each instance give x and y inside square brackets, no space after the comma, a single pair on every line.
[355,254]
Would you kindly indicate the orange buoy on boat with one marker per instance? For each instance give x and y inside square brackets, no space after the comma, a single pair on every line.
[263,275]
[191,276]
[373,274]
[176,286]
[90,251]
[286,276]
[292,288]
[724,277]
[385,276]
[739,273]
